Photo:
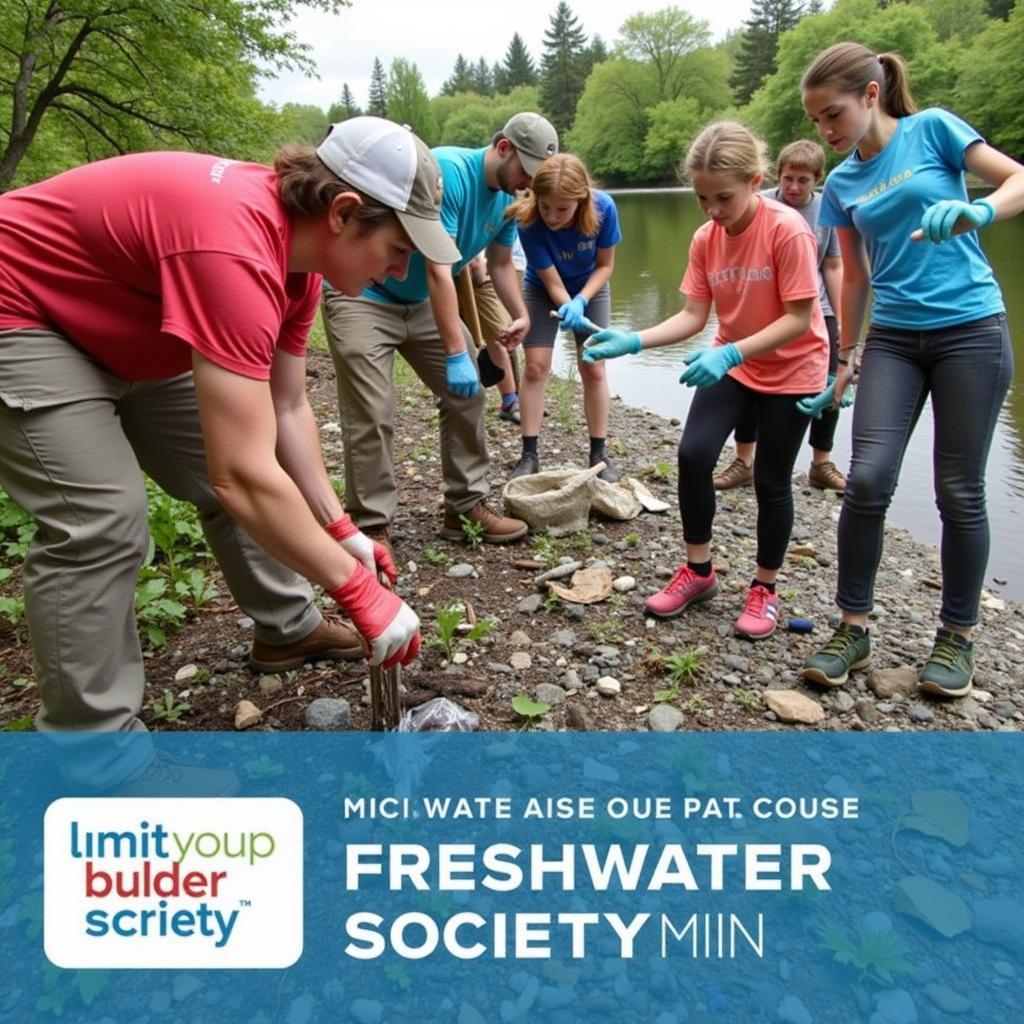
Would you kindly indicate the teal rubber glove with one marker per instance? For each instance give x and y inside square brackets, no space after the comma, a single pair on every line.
[571,314]
[940,218]
[609,344]
[708,366]
[460,375]
[814,407]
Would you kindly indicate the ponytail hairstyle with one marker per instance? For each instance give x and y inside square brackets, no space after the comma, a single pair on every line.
[851,67]
[307,187]
[726,147]
[562,176]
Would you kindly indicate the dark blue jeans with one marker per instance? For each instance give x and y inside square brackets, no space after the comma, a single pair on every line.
[966,370]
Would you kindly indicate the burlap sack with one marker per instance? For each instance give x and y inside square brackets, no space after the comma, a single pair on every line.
[558,500]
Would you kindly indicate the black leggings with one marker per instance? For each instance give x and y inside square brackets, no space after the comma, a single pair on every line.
[823,430]
[780,429]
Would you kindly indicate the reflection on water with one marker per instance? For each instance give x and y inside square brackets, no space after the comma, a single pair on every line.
[649,264]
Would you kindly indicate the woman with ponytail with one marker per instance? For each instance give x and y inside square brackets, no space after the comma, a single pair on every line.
[909,232]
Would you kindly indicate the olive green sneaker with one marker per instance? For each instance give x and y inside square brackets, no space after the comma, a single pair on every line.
[949,670]
[849,648]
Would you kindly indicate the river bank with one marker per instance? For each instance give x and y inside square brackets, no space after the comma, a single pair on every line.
[601,666]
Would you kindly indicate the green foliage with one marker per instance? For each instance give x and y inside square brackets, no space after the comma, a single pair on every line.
[749,700]
[564,67]
[875,956]
[517,68]
[345,108]
[17,528]
[663,40]
[472,531]
[378,102]
[985,94]
[531,710]
[682,668]
[755,56]
[12,610]
[435,557]
[23,724]
[262,768]
[548,548]
[302,122]
[632,539]
[661,470]
[449,619]
[408,102]
[87,80]
[467,119]
[169,708]
[155,612]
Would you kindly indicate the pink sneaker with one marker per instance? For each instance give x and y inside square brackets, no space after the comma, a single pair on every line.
[684,589]
[760,614]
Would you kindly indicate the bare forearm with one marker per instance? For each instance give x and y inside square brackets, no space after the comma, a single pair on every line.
[299,454]
[684,324]
[853,309]
[444,304]
[597,280]
[778,333]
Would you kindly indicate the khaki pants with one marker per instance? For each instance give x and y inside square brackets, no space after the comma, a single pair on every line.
[364,336]
[72,440]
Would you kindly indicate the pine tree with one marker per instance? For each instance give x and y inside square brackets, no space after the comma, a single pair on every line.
[480,75]
[518,67]
[563,67]
[759,44]
[345,108]
[378,102]
[815,7]
[597,52]
[461,78]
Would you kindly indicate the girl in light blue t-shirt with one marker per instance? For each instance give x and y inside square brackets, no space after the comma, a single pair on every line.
[908,232]
[569,231]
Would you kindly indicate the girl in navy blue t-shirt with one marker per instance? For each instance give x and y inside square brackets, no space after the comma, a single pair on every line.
[938,330]
[569,231]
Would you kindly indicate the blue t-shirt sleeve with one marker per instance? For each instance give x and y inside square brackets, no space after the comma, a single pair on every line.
[453,198]
[537,255]
[950,135]
[832,215]
[609,233]
[507,234]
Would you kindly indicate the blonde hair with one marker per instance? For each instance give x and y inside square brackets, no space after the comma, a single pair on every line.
[851,67]
[307,187]
[805,155]
[562,176]
[726,147]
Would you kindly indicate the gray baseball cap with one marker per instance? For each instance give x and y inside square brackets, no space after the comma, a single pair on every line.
[534,137]
[389,163]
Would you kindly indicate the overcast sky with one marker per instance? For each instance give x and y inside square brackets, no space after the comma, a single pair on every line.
[431,33]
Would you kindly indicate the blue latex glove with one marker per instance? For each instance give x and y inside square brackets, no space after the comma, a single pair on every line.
[708,366]
[814,407]
[460,375]
[610,344]
[571,314]
[940,218]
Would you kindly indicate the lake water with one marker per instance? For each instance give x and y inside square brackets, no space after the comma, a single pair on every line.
[649,264]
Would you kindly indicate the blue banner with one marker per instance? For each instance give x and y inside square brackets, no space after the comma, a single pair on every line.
[475,878]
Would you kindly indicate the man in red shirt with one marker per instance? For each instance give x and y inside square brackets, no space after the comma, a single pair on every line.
[154,311]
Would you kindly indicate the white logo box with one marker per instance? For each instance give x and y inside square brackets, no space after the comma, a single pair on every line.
[192,917]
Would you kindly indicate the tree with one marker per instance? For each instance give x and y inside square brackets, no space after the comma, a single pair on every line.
[461,78]
[408,102]
[111,78]
[517,68]
[563,67]
[759,43]
[345,108]
[481,78]
[664,40]
[377,106]
[956,19]
[302,122]
[596,52]
[474,120]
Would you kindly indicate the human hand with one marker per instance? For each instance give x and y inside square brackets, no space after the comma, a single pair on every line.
[371,553]
[941,220]
[610,344]
[571,314]
[827,399]
[708,366]
[460,375]
[513,335]
[388,624]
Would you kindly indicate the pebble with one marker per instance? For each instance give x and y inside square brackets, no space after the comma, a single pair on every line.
[186,673]
[549,693]
[563,638]
[328,713]
[608,686]
[792,1011]
[998,865]
[460,658]
[575,612]
[270,684]
[894,1006]
[461,571]
[921,713]
[843,702]
[367,1011]
[946,999]
[300,1010]
[887,682]
[791,706]
[520,639]
[530,605]
[624,584]
[520,661]
[664,718]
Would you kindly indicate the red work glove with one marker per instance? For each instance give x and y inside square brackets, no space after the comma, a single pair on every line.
[370,552]
[381,616]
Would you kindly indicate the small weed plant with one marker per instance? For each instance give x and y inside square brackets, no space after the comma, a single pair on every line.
[876,956]
[169,708]
[473,532]
[530,710]
[682,668]
[449,618]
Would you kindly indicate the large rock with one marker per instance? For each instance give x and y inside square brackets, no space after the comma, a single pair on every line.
[1001,923]
[792,706]
[887,682]
[665,718]
[327,713]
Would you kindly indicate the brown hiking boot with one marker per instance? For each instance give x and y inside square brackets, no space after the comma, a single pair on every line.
[736,474]
[332,640]
[496,529]
[381,536]
[826,477]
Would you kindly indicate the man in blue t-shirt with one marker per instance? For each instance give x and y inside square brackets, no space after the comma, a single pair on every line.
[419,317]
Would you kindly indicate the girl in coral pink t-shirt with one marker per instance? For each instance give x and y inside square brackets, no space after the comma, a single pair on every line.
[756,262]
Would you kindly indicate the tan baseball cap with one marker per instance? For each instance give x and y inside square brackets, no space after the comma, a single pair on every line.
[389,163]
[534,137]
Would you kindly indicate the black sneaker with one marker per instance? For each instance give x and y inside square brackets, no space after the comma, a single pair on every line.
[527,465]
[849,648]
[949,670]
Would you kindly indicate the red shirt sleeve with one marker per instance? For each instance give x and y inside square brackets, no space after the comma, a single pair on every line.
[796,262]
[695,280]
